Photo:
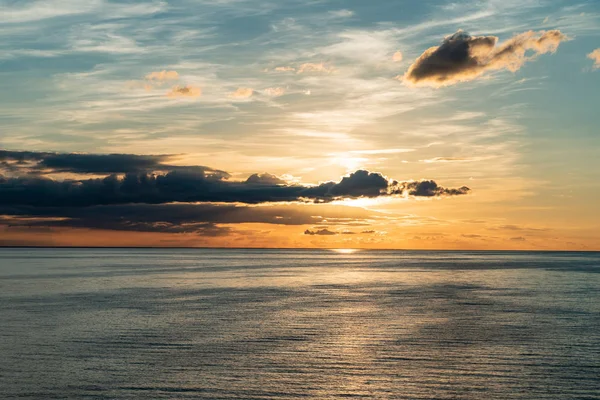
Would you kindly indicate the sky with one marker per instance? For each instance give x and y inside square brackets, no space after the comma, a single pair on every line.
[393,124]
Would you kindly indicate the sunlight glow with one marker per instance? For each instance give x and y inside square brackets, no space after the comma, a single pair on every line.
[350,163]
[367,202]
[345,251]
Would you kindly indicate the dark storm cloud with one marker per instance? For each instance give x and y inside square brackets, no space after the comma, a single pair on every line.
[462,57]
[80,163]
[199,186]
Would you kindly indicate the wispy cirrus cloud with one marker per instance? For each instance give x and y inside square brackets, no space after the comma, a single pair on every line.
[284,69]
[163,75]
[274,91]
[34,11]
[242,93]
[315,67]
[344,13]
[447,160]
[304,68]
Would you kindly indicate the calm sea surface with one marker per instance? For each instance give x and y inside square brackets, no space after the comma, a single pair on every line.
[258,324]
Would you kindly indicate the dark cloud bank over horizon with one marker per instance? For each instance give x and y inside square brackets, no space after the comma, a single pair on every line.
[138,192]
[183,184]
[181,217]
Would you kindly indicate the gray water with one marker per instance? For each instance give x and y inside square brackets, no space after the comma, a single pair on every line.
[258,324]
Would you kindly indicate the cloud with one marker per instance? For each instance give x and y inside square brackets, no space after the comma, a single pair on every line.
[320,232]
[312,67]
[174,218]
[242,93]
[265,179]
[446,160]
[285,69]
[82,163]
[158,79]
[162,75]
[184,91]
[199,186]
[359,184]
[595,56]
[515,228]
[341,13]
[462,57]
[431,189]
[306,68]
[518,239]
[397,56]
[150,180]
[382,151]
[146,193]
[274,91]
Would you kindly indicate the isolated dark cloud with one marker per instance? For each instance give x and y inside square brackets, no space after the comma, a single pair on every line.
[462,57]
[81,163]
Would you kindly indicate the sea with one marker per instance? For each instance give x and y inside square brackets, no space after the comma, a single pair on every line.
[298,324]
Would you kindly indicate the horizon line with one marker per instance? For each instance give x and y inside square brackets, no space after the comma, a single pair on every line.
[287,248]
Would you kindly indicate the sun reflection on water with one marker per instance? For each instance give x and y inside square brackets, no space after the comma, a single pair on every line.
[345,251]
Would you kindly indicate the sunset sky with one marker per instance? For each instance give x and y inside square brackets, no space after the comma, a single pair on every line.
[341,124]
